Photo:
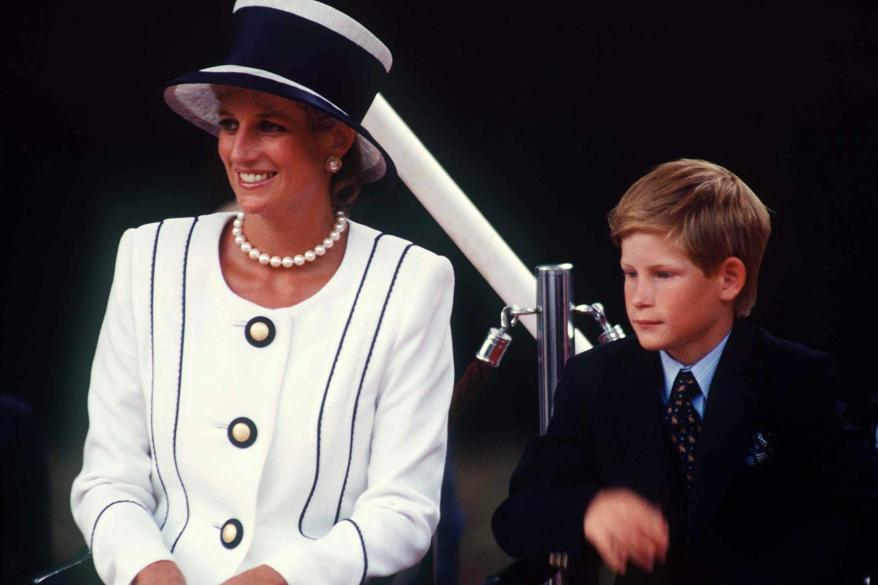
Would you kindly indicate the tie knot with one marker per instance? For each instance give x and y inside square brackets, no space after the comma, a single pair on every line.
[685,385]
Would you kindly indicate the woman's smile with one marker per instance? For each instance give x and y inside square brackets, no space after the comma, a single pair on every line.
[253,179]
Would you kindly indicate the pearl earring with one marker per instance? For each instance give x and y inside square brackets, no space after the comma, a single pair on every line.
[332,164]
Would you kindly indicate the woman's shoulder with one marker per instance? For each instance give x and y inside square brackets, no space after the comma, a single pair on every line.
[390,248]
[179,228]
[217,219]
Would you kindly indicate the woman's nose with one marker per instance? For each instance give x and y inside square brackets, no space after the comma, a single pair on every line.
[244,148]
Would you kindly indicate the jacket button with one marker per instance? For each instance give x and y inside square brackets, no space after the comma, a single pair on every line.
[242,432]
[231,533]
[259,331]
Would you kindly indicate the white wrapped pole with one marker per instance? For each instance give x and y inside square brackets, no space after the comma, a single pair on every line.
[452,209]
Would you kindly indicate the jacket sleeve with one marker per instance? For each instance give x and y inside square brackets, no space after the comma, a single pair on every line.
[555,479]
[393,520]
[112,498]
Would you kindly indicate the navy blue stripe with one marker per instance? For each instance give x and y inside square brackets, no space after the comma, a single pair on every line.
[329,381]
[155,456]
[363,377]
[363,545]
[180,379]
[310,54]
[91,541]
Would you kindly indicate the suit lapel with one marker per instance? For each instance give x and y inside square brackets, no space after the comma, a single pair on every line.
[726,430]
[638,402]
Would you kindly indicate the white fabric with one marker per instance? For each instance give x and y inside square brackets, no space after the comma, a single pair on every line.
[392,491]
[332,19]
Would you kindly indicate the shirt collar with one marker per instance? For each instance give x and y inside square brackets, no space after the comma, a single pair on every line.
[703,370]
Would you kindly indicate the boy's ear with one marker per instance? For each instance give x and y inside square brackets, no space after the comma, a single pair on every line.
[733,276]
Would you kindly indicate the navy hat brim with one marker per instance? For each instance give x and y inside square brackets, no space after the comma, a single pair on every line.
[193,98]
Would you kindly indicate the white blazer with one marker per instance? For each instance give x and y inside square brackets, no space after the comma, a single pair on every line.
[224,435]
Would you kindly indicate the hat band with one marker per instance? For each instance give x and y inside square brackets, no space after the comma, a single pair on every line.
[294,48]
[271,77]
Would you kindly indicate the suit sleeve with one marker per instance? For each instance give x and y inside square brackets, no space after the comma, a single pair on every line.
[840,478]
[393,520]
[555,479]
[112,498]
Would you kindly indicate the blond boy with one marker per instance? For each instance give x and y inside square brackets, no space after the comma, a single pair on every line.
[704,450]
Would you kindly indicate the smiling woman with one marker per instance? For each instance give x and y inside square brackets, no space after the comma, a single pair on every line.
[313,130]
[269,395]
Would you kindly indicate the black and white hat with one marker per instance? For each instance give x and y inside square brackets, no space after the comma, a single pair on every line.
[301,50]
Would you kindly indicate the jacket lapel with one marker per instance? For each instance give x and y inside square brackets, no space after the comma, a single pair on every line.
[638,402]
[726,430]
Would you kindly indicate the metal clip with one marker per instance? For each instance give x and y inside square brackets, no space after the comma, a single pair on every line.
[498,339]
[610,332]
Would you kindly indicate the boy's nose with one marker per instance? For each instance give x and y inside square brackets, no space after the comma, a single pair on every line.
[642,294]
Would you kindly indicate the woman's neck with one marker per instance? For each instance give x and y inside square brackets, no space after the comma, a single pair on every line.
[290,231]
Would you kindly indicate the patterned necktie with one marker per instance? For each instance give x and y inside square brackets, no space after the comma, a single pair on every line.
[683,421]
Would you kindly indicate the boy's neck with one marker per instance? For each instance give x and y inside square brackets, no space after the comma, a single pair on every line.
[691,353]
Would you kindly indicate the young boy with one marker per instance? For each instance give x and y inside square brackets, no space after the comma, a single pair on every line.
[705,450]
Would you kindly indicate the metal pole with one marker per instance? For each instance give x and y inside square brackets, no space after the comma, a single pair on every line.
[554,331]
[554,342]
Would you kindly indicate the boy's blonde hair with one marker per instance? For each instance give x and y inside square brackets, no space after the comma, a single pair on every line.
[710,211]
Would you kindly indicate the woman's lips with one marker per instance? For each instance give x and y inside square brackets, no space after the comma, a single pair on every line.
[642,323]
[252,179]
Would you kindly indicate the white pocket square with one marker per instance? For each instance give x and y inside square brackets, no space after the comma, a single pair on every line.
[761,449]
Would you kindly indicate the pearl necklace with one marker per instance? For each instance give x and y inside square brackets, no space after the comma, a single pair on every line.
[341,223]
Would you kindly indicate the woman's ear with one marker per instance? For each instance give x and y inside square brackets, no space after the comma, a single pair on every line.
[341,138]
[733,275]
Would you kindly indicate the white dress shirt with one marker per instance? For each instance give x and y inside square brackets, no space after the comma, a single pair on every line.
[703,371]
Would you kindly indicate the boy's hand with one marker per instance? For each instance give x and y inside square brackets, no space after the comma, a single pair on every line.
[624,527]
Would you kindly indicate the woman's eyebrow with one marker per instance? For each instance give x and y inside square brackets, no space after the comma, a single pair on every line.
[270,114]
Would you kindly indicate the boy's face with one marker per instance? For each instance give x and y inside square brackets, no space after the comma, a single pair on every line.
[671,303]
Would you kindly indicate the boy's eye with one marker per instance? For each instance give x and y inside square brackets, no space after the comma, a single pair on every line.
[228,124]
[663,274]
[629,273]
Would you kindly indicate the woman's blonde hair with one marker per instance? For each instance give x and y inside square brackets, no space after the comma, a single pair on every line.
[707,209]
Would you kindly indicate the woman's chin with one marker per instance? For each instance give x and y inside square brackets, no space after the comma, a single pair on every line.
[252,203]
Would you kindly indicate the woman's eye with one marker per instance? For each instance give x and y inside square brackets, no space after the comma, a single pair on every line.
[663,274]
[267,126]
[629,273]
[228,125]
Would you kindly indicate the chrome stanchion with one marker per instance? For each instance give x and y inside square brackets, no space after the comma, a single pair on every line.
[555,346]
[554,331]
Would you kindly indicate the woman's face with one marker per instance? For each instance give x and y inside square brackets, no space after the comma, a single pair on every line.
[273,160]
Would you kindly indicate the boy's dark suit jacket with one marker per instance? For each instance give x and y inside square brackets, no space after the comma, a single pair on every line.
[802,509]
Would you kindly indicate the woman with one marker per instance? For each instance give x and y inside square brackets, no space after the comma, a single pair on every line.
[269,392]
